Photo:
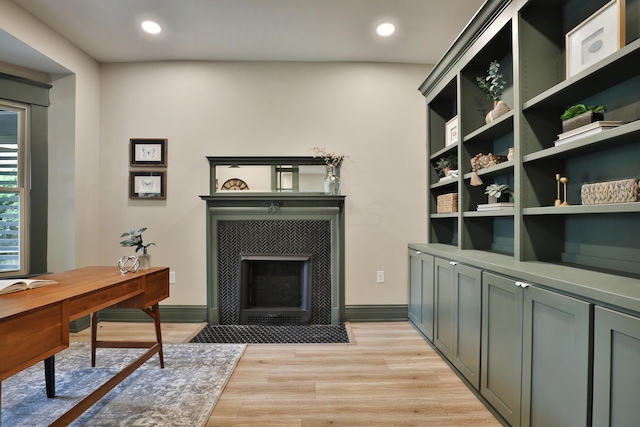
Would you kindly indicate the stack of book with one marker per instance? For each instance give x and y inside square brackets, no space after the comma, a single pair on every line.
[586,130]
[495,206]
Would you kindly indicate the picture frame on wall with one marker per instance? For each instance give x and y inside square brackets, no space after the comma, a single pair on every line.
[148,185]
[147,152]
[452,132]
[595,38]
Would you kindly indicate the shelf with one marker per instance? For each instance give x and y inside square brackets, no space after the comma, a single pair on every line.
[503,125]
[622,135]
[617,67]
[477,214]
[584,209]
[498,169]
[452,182]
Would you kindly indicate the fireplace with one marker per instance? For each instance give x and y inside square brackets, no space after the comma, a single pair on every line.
[282,226]
[275,289]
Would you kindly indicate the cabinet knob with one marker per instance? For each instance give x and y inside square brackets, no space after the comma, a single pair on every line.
[522,284]
[453,263]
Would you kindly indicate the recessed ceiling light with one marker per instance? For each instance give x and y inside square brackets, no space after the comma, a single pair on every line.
[385,29]
[151,27]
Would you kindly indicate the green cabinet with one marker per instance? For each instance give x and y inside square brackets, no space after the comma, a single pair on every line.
[616,379]
[556,371]
[536,354]
[457,295]
[502,312]
[420,311]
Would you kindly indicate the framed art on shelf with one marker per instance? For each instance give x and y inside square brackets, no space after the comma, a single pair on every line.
[596,37]
[148,152]
[452,132]
[148,185]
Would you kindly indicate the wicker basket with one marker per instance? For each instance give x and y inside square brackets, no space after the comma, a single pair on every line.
[447,203]
[622,191]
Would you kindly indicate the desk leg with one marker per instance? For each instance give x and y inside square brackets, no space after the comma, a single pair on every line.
[50,376]
[94,332]
[154,313]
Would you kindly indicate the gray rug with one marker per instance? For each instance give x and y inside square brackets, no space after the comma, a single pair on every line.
[184,393]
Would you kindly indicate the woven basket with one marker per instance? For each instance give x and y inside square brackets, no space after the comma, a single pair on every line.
[447,203]
[625,190]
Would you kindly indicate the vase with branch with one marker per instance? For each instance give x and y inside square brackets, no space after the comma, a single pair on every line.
[134,239]
[493,84]
[333,162]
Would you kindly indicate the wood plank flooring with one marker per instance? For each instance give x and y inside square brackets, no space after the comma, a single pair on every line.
[387,376]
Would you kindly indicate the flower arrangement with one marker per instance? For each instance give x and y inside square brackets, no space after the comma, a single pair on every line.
[135,239]
[331,159]
[493,83]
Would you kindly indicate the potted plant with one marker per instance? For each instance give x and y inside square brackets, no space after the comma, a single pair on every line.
[580,115]
[498,192]
[493,84]
[446,164]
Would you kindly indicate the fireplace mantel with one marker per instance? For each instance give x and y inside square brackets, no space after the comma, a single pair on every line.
[256,207]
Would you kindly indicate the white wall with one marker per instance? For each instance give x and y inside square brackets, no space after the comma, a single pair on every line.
[371,112]
[374,113]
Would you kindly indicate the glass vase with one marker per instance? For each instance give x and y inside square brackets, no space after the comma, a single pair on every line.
[144,260]
[331,182]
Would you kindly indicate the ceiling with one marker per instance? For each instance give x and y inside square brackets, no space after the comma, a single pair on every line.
[252,30]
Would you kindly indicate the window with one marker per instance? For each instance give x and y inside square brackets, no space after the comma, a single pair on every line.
[13,184]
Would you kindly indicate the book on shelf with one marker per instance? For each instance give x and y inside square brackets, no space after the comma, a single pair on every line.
[495,206]
[586,130]
[14,285]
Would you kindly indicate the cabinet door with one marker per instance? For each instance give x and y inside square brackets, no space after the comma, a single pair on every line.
[555,372]
[502,345]
[616,378]
[444,307]
[466,344]
[427,296]
[415,288]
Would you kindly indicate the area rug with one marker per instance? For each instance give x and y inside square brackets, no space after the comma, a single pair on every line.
[184,393]
[273,334]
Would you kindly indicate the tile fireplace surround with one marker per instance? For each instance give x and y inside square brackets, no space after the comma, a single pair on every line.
[240,223]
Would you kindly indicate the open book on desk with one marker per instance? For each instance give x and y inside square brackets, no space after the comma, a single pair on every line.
[13,285]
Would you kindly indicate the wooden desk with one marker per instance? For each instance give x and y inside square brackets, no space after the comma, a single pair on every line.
[34,324]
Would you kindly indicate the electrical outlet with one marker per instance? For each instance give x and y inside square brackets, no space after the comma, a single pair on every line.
[380,276]
[172,277]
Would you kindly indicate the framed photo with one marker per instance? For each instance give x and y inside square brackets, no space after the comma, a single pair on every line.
[148,152]
[596,37]
[148,185]
[452,132]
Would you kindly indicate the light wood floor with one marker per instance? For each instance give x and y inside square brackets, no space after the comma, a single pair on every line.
[387,376]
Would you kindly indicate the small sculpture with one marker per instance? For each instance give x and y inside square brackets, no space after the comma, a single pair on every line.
[562,180]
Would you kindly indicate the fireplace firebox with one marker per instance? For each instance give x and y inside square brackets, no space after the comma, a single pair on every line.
[275,289]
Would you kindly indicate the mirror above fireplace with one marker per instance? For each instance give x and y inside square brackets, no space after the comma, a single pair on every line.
[268,174]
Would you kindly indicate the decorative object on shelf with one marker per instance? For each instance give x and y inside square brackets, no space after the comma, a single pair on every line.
[511,154]
[579,115]
[497,192]
[446,164]
[447,203]
[451,174]
[482,161]
[234,184]
[620,191]
[148,185]
[558,202]
[493,84]
[148,152]
[128,264]
[596,37]
[135,239]
[333,162]
[452,132]
[564,180]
